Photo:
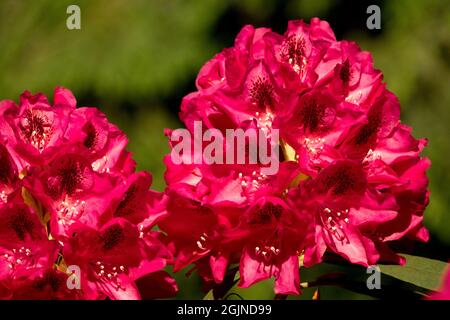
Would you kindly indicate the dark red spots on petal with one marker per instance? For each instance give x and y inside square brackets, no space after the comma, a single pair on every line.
[345,72]
[91,136]
[70,176]
[21,222]
[51,279]
[262,93]
[367,133]
[265,214]
[129,203]
[311,116]
[344,179]
[112,237]
[341,182]
[314,116]
[6,166]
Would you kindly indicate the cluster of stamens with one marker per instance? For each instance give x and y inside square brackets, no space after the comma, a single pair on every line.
[202,242]
[109,273]
[314,146]
[17,257]
[263,120]
[141,231]
[96,165]
[267,252]
[3,196]
[69,212]
[334,221]
[371,156]
[252,182]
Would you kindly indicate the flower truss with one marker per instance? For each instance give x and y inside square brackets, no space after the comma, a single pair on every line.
[350,182]
[75,217]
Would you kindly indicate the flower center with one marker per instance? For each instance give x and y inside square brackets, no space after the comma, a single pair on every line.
[293,51]
[36,128]
[269,253]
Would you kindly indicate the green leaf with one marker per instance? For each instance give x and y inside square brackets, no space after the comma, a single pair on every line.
[354,278]
[413,280]
[209,295]
[422,272]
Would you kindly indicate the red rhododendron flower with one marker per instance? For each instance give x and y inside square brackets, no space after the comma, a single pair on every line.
[72,208]
[350,180]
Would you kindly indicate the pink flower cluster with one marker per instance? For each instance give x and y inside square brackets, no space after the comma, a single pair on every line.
[75,217]
[351,180]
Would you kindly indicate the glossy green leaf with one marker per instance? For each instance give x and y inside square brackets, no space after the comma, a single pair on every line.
[422,272]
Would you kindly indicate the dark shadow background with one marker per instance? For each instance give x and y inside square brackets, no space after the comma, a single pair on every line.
[136,59]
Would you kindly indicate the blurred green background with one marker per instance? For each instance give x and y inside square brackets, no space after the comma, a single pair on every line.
[136,59]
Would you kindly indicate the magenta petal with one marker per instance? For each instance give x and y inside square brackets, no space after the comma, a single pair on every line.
[251,270]
[218,266]
[65,97]
[288,280]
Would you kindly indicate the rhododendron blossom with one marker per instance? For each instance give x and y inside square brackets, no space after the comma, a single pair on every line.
[350,181]
[69,196]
